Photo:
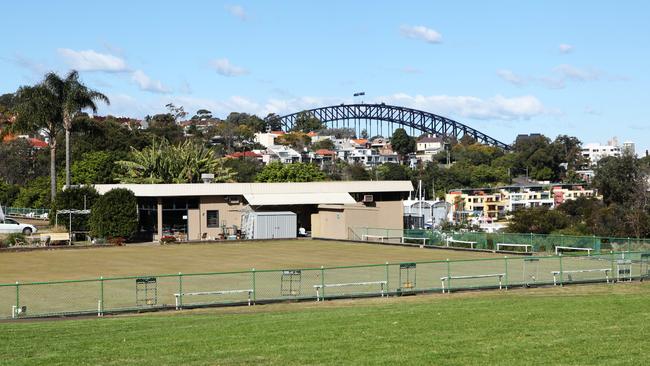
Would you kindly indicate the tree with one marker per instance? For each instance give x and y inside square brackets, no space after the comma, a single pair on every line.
[246,169]
[19,162]
[538,220]
[71,98]
[616,179]
[272,122]
[74,198]
[306,122]
[364,134]
[35,194]
[95,167]
[8,193]
[165,163]
[177,112]
[165,126]
[356,171]
[37,110]
[392,171]
[114,215]
[296,172]
[202,114]
[323,144]
[402,143]
[297,140]
[253,122]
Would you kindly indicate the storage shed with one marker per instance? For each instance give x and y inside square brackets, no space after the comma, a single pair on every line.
[269,225]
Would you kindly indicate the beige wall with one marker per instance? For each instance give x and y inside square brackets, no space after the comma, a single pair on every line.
[229,215]
[333,222]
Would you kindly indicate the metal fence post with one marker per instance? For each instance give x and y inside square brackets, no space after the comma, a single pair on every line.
[561,271]
[101,296]
[254,288]
[505,258]
[387,279]
[180,290]
[322,282]
[15,314]
[448,277]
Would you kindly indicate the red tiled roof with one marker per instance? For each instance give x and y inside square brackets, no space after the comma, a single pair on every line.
[39,144]
[278,132]
[312,134]
[36,143]
[324,152]
[244,154]
[360,141]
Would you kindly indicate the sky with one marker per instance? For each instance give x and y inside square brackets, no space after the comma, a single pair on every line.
[503,67]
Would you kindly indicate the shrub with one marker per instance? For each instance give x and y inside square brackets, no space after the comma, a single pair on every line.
[76,198]
[114,215]
[14,239]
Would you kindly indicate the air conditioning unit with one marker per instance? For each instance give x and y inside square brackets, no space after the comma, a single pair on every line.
[233,200]
[368,198]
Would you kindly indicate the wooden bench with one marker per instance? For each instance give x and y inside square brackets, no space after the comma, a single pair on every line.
[471,243]
[323,286]
[525,246]
[556,273]
[54,237]
[448,278]
[223,292]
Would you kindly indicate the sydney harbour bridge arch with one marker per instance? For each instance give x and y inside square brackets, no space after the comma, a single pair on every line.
[380,119]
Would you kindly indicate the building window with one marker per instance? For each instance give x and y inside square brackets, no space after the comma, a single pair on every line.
[212,218]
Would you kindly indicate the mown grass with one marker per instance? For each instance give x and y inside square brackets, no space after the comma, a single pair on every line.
[581,325]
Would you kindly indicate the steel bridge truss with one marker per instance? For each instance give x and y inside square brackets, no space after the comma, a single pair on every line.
[355,115]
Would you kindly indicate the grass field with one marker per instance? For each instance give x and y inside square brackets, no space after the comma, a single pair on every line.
[196,261]
[577,325]
[154,259]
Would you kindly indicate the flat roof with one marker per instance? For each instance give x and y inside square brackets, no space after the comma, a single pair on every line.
[227,189]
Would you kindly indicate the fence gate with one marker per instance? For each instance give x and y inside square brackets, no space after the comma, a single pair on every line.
[290,282]
[407,276]
[531,271]
[624,270]
[146,291]
[645,266]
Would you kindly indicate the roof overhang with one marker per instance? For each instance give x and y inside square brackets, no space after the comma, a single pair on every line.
[228,189]
[271,199]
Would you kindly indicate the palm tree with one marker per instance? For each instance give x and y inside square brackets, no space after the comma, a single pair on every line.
[72,97]
[165,163]
[36,110]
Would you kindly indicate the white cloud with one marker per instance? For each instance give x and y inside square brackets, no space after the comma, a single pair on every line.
[146,83]
[421,32]
[573,73]
[511,77]
[90,60]
[411,70]
[497,107]
[238,11]
[565,48]
[225,68]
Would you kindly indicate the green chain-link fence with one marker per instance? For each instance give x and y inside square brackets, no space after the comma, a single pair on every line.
[177,291]
[541,243]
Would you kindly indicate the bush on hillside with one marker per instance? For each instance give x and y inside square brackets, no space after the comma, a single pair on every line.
[114,215]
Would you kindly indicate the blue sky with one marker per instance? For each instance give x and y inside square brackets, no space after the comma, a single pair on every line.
[503,67]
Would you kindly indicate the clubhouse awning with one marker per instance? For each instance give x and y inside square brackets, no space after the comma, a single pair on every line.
[268,199]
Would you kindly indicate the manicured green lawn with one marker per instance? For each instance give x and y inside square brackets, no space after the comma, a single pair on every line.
[581,325]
